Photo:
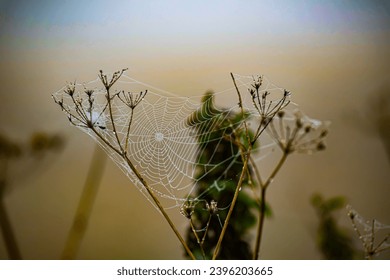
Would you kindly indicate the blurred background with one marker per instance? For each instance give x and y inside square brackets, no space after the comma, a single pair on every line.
[334,56]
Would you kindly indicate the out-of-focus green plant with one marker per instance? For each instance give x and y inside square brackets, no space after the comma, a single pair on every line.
[333,242]
[292,132]
[213,124]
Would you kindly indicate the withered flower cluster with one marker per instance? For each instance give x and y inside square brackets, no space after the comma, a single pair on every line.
[93,108]
[295,132]
[266,104]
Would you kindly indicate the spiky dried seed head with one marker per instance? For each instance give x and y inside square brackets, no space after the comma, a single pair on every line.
[281,114]
[321,146]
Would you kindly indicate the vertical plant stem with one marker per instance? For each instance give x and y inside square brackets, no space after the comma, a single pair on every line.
[246,155]
[200,243]
[160,208]
[262,204]
[237,191]
[84,209]
[112,120]
[6,228]
[242,111]
[261,224]
[128,128]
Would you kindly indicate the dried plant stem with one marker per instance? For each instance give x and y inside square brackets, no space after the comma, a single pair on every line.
[377,250]
[150,192]
[264,187]
[242,112]
[128,128]
[8,233]
[197,239]
[123,153]
[254,169]
[112,120]
[261,224]
[233,203]
[87,199]
[118,149]
[246,155]
[5,223]
[160,207]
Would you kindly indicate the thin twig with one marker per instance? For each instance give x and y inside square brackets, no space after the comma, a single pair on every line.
[128,128]
[112,120]
[233,203]
[246,155]
[6,228]
[200,243]
[242,109]
[160,207]
[262,204]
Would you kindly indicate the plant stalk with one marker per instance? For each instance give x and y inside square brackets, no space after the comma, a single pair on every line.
[261,224]
[160,208]
[233,203]
[84,209]
[7,231]
[262,204]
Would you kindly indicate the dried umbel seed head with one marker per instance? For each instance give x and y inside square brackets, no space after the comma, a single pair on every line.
[130,99]
[257,82]
[257,85]
[324,133]
[351,214]
[252,92]
[281,114]
[89,92]
[321,146]
[70,89]
[308,128]
[212,207]
[296,132]
[187,209]
[266,120]
[265,94]
[299,122]
[115,76]
[60,103]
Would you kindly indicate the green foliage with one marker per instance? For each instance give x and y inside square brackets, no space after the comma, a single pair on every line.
[333,242]
[217,130]
[41,142]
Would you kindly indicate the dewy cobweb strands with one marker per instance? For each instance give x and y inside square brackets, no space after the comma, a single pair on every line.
[154,130]
[368,232]
[295,132]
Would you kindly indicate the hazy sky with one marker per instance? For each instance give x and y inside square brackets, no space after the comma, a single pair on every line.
[333,55]
[178,27]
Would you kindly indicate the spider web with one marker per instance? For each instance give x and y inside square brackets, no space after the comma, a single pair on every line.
[161,140]
[373,234]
